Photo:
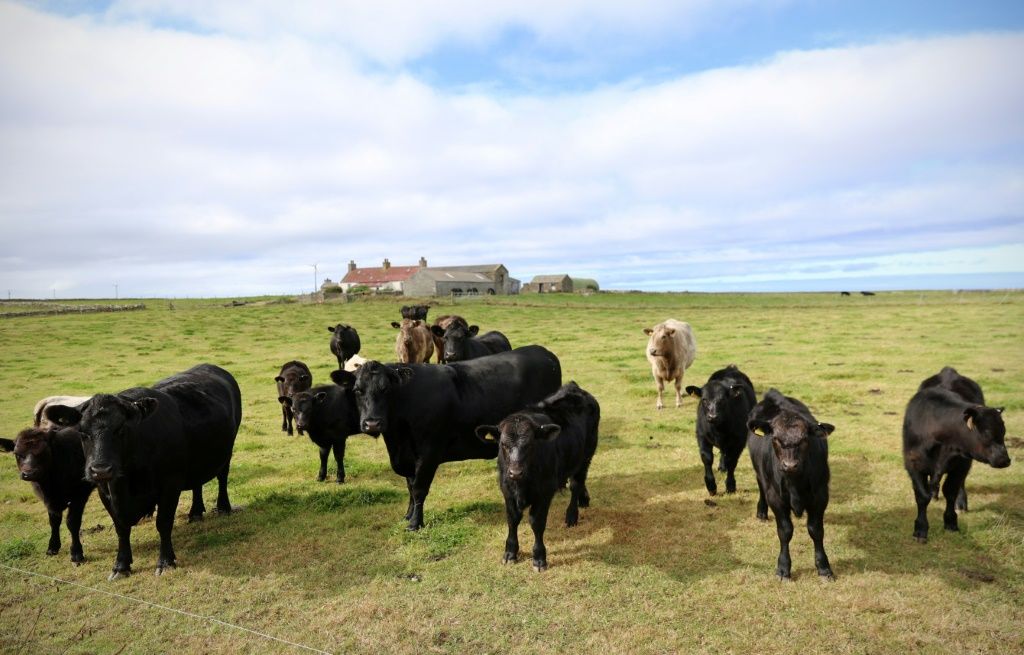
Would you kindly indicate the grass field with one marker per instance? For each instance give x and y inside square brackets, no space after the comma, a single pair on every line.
[653,566]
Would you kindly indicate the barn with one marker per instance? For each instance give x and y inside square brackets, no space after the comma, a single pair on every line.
[549,284]
[423,280]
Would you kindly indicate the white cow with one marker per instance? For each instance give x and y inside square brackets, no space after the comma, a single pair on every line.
[671,350]
[41,421]
[353,363]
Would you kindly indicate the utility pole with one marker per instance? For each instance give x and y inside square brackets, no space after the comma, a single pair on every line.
[55,293]
[315,285]
[115,290]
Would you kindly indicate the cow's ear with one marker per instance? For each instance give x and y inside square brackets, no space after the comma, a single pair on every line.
[694,391]
[396,325]
[62,415]
[343,379]
[437,331]
[1000,409]
[319,397]
[826,428]
[279,379]
[548,431]
[970,415]
[474,330]
[145,407]
[488,433]
[284,400]
[759,428]
[330,328]
[648,331]
[6,445]
[403,374]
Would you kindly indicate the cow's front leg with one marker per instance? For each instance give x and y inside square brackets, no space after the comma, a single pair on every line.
[75,528]
[539,521]
[55,520]
[661,392]
[123,561]
[164,523]
[513,515]
[324,454]
[195,513]
[339,458]
[679,391]
[425,470]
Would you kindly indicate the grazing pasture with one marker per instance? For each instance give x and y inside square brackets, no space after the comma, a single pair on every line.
[654,566]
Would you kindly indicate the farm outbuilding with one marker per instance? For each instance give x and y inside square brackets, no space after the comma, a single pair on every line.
[549,284]
[444,282]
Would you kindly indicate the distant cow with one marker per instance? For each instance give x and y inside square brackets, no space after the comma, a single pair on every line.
[789,451]
[844,293]
[969,390]
[414,343]
[344,342]
[415,312]
[671,350]
[461,343]
[40,421]
[725,401]
[540,449]
[293,378]
[144,446]
[867,293]
[52,460]
[328,413]
[942,434]
[444,322]
[428,414]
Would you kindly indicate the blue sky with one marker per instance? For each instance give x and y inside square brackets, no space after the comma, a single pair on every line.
[192,148]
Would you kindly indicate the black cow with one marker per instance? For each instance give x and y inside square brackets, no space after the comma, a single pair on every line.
[443,322]
[428,414]
[54,462]
[293,378]
[844,293]
[461,342]
[415,312]
[969,390]
[144,446]
[539,450]
[942,434]
[867,293]
[344,343]
[328,413]
[789,451]
[725,402]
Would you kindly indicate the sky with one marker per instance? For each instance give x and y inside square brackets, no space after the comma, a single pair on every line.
[186,148]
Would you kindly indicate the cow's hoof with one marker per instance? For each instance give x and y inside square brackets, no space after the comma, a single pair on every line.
[412,527]
[510,558]
[52,551]
[827,575]
[77,559]
[340,481]
[195,518]
[540,565]
[321,478]
[762,517]
[713,492]
[784,577]
[117,575]
[952,528]
[920,539]
[162,567]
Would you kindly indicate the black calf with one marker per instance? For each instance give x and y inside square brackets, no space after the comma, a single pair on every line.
[725,402]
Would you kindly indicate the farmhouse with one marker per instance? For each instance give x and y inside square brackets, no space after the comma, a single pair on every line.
[549,284]
[423,280]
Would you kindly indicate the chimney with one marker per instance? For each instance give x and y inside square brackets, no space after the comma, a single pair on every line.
[351,265]
[386,264]
[423,262]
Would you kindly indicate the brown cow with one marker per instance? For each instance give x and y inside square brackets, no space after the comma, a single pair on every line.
[414,343]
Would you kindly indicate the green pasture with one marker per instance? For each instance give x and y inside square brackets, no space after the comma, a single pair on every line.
[655,565]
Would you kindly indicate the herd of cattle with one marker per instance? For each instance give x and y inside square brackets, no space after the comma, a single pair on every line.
[143,446]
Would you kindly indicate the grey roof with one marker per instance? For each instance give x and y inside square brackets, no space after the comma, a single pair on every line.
[450,275]
[548,278]
[476,268]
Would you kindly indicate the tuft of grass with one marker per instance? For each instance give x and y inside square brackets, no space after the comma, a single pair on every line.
[16,549]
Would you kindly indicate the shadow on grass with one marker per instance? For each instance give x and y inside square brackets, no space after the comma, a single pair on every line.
[959,558]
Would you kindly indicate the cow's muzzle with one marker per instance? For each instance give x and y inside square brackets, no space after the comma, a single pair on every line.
[373,427]
[99,473]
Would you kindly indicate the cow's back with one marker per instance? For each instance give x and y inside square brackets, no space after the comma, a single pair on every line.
[209,404]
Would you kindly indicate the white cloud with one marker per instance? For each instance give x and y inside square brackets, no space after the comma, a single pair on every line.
[132,151]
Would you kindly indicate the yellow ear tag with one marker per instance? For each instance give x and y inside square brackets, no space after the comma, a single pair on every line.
[491,436]
[759,432]
[970,422]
